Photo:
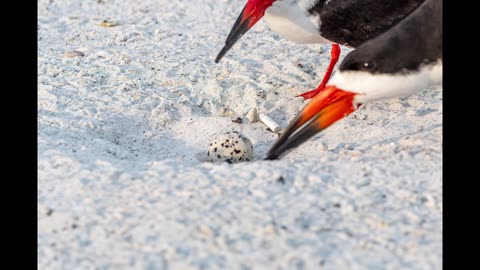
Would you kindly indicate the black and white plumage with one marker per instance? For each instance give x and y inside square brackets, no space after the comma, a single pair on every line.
[345,22]
[406,58]
[399,62]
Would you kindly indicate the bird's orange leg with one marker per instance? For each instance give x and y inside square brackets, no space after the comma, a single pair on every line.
[334,55]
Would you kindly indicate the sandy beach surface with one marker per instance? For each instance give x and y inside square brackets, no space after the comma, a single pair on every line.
[124,125]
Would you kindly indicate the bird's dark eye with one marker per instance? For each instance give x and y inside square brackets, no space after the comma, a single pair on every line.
[353,66]
[365,66]
[368,65]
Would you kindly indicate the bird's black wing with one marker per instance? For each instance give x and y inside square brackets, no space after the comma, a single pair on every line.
[407,47]
[352,22]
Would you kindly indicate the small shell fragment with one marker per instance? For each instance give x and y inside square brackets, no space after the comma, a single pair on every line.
[73,54]
[106,23]
[225,112]
[252,115]
[269,123]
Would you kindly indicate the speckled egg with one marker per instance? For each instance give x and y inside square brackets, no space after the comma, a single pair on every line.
[231,147]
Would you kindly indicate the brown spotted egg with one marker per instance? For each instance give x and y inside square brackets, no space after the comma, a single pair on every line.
[231,147]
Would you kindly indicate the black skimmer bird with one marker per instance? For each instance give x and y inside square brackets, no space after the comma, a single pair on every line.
[399,62]
[345,22]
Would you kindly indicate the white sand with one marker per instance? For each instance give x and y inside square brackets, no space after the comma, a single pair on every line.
[123,131]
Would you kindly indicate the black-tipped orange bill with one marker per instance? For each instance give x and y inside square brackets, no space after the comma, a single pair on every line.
[251,14]
[327,107]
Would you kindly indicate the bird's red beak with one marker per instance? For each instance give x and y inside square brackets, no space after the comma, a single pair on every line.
[251,14]
[329,106]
